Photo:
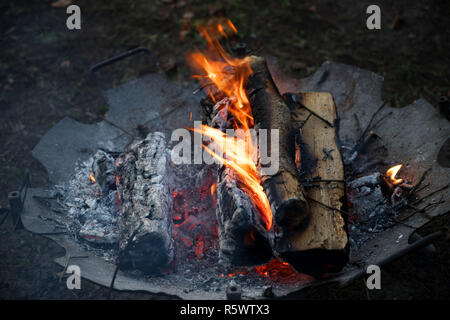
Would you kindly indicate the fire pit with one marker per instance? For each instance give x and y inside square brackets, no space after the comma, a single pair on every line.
[354,181]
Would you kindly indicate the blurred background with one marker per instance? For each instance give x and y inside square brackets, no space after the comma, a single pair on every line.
[44,76]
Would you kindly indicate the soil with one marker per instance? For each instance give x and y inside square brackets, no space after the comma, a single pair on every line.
[44,77]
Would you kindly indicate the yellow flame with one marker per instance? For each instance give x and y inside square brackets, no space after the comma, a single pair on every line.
[392,172]
[213,189]
[229,75]
[240,160]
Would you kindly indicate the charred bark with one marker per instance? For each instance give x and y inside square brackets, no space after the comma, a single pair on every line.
[242,237]
[145,223]
[284,190]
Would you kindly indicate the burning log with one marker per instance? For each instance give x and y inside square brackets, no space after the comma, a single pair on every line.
[284,190]
[248,98]
[241,236]
[146,198]
[312,244]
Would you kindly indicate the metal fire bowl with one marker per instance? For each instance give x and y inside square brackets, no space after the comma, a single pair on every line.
[412,135]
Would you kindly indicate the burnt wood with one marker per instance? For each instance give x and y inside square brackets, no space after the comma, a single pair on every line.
[145,220]
[307,232]
[284,190]
[242,237]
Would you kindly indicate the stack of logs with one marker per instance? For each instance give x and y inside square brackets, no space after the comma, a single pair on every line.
[308,228]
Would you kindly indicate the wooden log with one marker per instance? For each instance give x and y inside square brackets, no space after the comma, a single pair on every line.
[283,189]
[146,220]
[322,246]
[242,238]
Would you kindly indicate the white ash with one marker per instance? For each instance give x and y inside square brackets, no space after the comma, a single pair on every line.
[349,157]
[370,209]
[370,180]
[104,171]
[89,214]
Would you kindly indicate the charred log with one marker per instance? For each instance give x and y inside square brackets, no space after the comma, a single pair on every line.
[284,190]
[146,198]
[241,236]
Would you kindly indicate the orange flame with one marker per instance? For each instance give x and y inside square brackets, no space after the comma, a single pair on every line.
[392,172]
[213,189]
[229,75]
[92,177]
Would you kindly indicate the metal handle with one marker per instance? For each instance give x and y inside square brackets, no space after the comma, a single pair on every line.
[121,56]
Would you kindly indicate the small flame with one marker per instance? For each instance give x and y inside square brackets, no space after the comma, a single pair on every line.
[91,176]
[213,189]
[392,172]
[229,74]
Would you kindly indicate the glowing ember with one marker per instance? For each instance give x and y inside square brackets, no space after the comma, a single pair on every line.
[200,247]
[280,271]
[213,189]
[229,75]
[92,177]
[392,172]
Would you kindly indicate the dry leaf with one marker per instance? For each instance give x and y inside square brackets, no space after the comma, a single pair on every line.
[61,3]
[180,4]
[312,8]
[65,64]
[188,15]
[298,65]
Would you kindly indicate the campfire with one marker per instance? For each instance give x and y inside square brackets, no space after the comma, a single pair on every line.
[282,200]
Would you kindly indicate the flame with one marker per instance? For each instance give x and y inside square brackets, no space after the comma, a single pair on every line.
[392,172]
[91,176]
[229,74]
[213,189]
[242,163]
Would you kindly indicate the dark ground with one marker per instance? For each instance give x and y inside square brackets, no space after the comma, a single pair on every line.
[44,77]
